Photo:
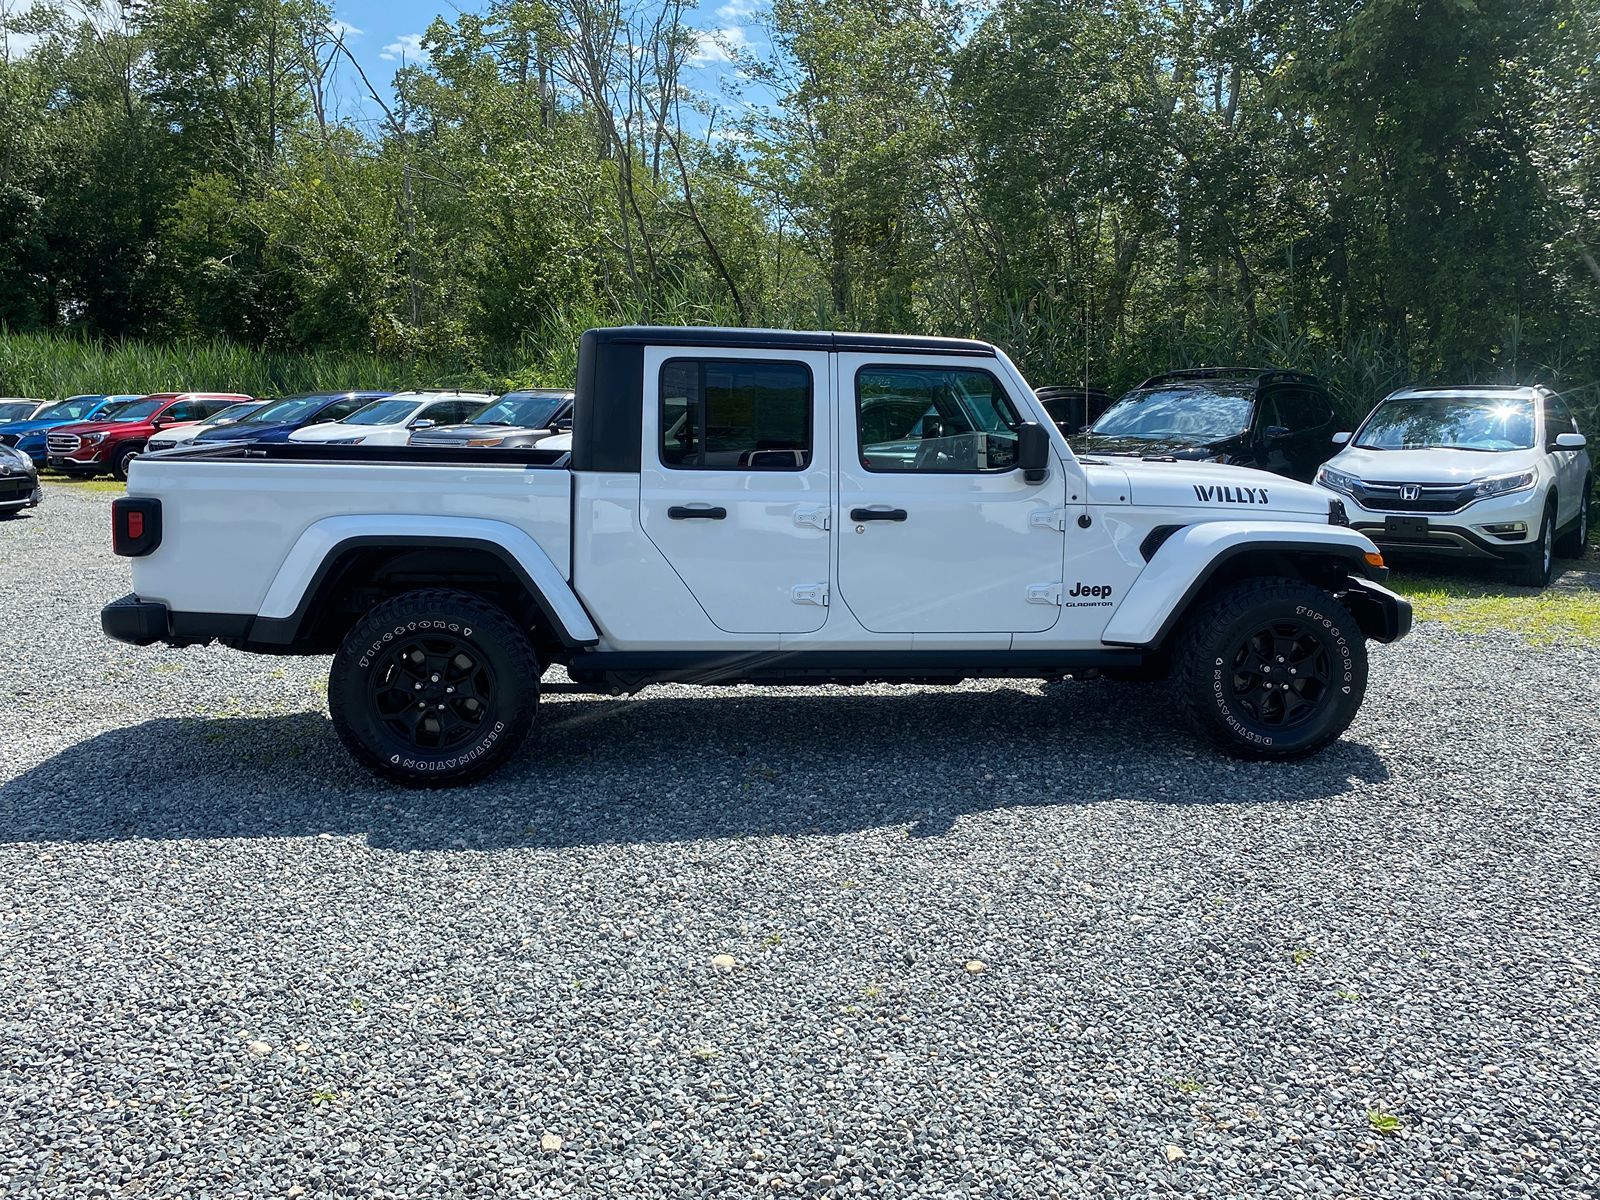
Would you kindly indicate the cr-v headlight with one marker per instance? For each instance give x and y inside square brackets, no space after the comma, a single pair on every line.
[1501,484]
[1337,480]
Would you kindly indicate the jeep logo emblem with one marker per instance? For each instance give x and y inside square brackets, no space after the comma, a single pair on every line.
[1410,491]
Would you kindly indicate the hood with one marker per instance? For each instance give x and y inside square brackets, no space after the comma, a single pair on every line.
[1429,466]
[35,425]
[82,427]
[1138,447]
[241,431]
[1207,486]
[456,435]
[332,431]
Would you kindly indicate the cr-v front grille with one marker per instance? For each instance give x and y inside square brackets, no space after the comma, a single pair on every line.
[1414,497]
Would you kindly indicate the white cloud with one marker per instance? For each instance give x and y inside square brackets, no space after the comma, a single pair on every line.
[717,46]
[407,46]
[737,10]
[343,29]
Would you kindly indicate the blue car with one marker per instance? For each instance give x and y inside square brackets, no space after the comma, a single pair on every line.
[274,422]
[28,436]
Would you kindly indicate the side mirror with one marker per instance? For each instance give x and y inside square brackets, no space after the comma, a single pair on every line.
[1033,452]
[424,423]
[1341,437]
[1274,432]
[160,422]
[1571,441]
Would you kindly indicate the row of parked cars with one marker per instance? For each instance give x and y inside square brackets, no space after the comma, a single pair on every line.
[1494,473]
[85,436]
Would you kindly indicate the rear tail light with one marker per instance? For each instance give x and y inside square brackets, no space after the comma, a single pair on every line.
[135,526]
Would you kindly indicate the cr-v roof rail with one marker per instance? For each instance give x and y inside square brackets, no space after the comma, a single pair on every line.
[1260,374]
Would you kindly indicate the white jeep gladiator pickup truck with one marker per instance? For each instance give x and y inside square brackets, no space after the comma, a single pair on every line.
[756,506]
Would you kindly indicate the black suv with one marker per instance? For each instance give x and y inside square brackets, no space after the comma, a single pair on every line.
[1281,421]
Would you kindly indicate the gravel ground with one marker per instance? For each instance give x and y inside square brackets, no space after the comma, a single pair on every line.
[1000,940]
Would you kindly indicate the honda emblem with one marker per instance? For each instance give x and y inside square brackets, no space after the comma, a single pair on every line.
[1410,491]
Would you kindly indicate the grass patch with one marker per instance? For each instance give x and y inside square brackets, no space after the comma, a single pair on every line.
[105,484]
[1568,611]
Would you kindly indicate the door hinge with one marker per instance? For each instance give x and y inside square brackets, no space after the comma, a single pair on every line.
[814,593]
[816,518]
[1044,593]
[1049,518]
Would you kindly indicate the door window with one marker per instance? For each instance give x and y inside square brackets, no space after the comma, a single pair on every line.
[934,419]
[1296,410]
[1558,418]
[185,410]
[735,415]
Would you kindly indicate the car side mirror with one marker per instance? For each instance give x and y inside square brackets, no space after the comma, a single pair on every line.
[424,423]
[1033,452]
[1571,441]
[1274,432]
[1341,437]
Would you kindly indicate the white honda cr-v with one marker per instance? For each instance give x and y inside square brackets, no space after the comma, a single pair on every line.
[1474,472]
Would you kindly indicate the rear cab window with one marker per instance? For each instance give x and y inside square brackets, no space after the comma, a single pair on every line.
[735,415]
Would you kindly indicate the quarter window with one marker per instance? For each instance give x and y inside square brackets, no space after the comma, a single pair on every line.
[934,419]
[735,415]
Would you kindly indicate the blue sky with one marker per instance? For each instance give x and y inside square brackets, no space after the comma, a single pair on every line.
[384,34]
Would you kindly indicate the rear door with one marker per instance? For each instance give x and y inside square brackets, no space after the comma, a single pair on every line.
[736,481]
[938,530]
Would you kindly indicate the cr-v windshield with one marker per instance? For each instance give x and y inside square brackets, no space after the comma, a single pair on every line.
[1449,423]
[1199,414]
[529,412]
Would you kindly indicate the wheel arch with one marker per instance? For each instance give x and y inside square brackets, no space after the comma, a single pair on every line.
[332,576]
[1198,561]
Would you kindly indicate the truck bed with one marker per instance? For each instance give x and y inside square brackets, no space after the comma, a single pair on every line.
[237,518]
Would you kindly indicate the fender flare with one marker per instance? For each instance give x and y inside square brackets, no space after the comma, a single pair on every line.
[286,606]
[1191,557]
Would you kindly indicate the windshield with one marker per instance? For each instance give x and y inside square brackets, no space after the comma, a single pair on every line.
[17,411]
[286,411]
[73,408]
[382,412]
[1449,423]
[137,410]
[1187,413]
[517,408]
[234,412]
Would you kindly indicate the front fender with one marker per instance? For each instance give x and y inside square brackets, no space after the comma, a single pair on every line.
[1187,560]
[319,546]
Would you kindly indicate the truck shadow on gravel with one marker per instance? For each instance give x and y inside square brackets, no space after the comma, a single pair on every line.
[743,763]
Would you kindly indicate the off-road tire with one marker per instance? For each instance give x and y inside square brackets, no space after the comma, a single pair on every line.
[1574,543]
[1537,567]
[122,459]
[467,645]
[1222,679]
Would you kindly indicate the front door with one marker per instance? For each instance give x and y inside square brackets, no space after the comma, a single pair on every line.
[938,530]
[736,482]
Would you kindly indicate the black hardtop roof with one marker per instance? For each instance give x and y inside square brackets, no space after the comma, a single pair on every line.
[785,339]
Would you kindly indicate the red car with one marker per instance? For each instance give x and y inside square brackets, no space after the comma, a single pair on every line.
[92,448]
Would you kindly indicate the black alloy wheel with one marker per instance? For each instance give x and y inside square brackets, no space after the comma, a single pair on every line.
[432,692]
[1281,675]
